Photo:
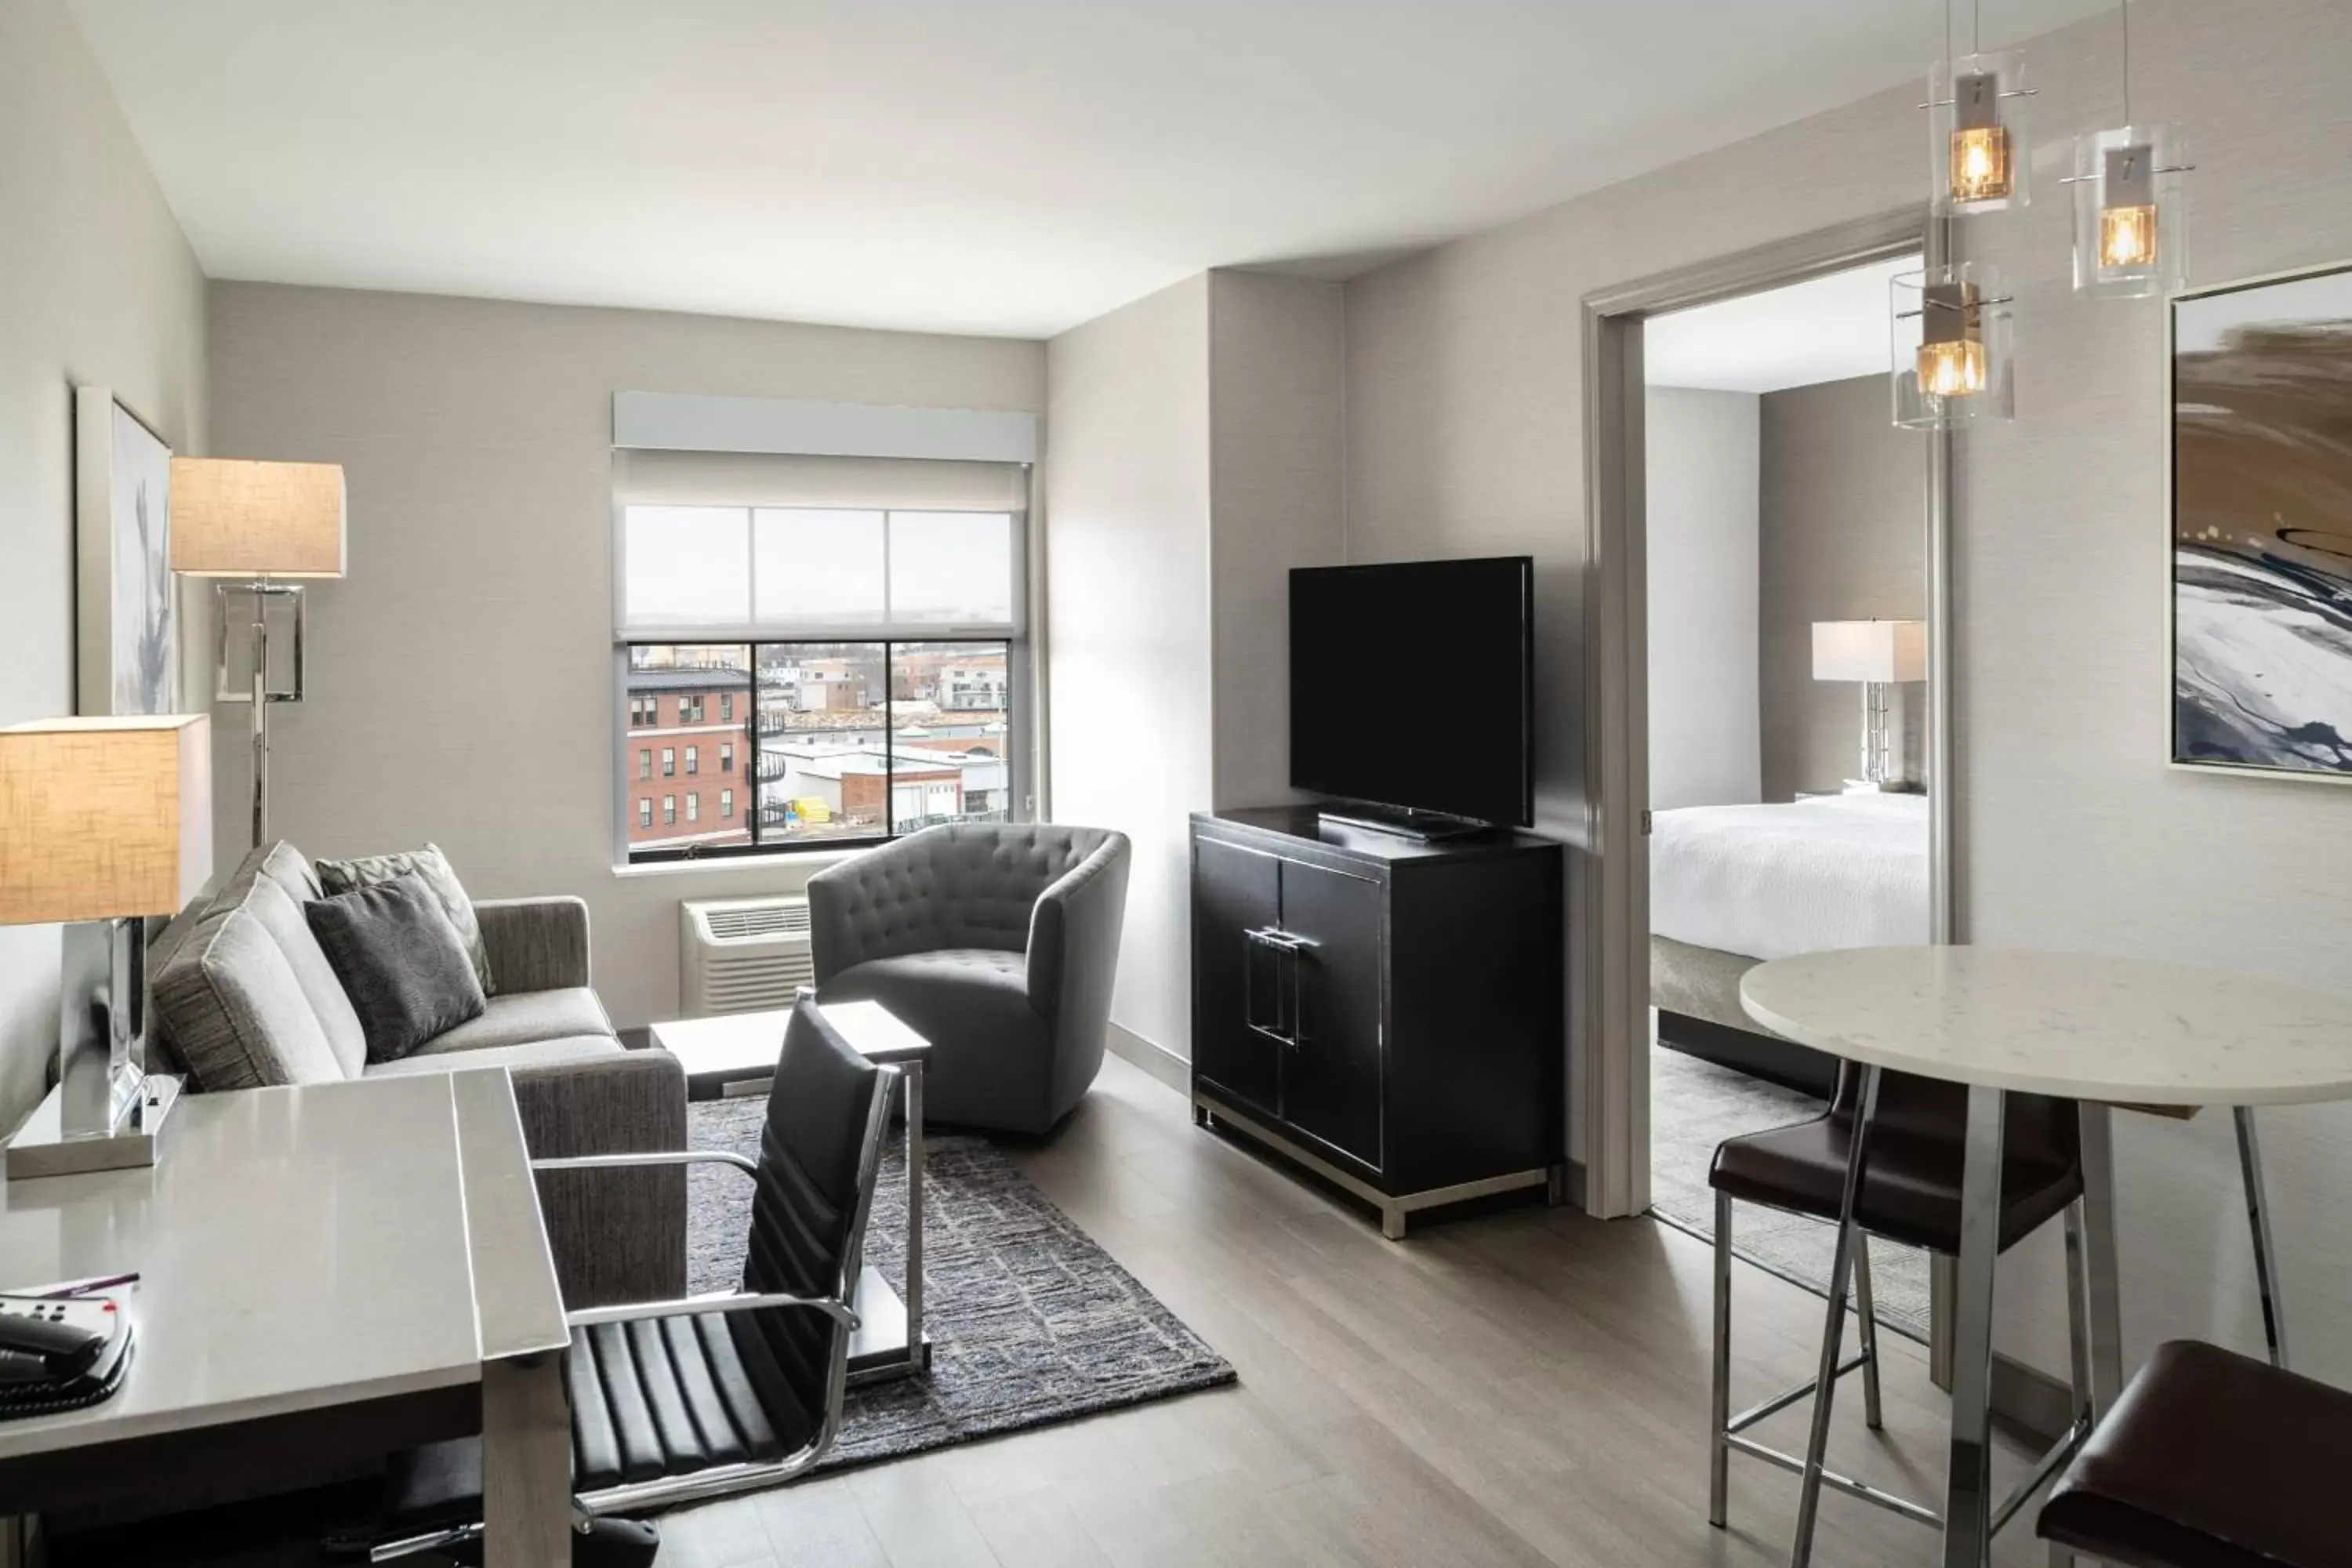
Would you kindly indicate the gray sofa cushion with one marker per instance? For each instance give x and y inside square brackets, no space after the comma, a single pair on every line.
[240,1017]
[430,866]
[990,1051]
[401,962]
[527,1054]
[524,1016]
[282,916]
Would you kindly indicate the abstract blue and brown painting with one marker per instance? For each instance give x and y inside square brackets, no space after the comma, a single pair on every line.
[2262,504]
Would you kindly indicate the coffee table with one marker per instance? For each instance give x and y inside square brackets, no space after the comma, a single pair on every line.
[735,1053]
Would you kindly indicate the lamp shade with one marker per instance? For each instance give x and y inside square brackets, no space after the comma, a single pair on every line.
[1870,650]
[104,818]
[231,518]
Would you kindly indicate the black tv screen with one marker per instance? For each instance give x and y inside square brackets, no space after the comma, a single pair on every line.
[1412,685]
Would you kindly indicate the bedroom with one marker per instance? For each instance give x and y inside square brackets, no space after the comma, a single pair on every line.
[1786,597]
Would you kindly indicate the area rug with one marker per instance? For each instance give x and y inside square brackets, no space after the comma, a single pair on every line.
[1694,1106]
[1030,1322]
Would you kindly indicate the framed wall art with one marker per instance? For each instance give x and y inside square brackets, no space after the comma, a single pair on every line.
[2262,525]
[126,642]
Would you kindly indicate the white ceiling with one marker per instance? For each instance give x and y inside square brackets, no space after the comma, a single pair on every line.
[1826,329]
[1011,166]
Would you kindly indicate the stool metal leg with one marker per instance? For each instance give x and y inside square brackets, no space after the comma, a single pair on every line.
[1809,1495]
[2100,1270]
[2258,1219]
[1865,1318]
[1968,1508]
[1718,1446]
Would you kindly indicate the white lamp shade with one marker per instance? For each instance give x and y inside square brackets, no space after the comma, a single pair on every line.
[104,818]
[231,518]
[1870,650]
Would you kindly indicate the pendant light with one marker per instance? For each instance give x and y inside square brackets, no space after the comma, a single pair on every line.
[1976,117]
[2130,214]
[1951,348]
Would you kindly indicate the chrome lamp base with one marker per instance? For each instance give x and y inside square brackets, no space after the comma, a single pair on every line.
[143,1118]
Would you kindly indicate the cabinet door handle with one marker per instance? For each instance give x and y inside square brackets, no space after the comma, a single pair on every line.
[1288,1023]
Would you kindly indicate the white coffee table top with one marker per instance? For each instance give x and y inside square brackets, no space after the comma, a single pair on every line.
[742,1043]
[2076,1025]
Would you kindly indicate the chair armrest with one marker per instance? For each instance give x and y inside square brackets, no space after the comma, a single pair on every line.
[622,1236]
[841,898]
[1074,931]
[639,1162]
[534,944]
[694,1306]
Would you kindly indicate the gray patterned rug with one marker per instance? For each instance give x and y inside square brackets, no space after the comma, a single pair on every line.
[1030,1322]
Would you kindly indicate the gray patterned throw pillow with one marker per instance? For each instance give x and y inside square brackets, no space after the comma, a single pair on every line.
[432,867]
[400,962]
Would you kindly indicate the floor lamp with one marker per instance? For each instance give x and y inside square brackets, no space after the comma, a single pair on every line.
[103,822]
[263,527]
[1882,655]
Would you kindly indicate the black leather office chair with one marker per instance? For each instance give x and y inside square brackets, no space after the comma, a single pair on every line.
[1910,1192]
[678,1401]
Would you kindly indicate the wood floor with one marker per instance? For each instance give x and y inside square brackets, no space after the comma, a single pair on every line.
[1523,1388]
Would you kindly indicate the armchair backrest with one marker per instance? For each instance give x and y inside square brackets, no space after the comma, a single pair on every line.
[820,1152]
[967,884]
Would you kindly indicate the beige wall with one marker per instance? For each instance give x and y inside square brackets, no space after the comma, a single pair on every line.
[1128,597]
[1844,527]
[1700,482]
[1464,436]
[98,287]
[461,676]
[1277,355]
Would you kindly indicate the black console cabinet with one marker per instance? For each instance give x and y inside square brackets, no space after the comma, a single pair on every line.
[1385,1012]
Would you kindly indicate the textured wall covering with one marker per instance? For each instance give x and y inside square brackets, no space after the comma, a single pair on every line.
[1464,436]
[461,676]
[97,286]
[1845,539]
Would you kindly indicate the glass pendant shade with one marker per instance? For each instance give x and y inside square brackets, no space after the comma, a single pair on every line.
[1951,348]
[1976,110]
[2130,217]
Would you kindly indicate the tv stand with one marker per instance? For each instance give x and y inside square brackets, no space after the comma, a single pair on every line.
[1421,826]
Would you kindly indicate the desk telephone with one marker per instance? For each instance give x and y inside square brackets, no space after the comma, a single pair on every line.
[60,1354]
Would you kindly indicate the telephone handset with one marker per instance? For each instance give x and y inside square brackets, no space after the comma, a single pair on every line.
[60,1354]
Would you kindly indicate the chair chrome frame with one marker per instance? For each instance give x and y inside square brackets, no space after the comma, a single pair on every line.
[719,1481]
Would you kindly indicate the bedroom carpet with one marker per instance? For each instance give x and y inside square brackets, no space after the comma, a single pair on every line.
[1030,1322]
[1694,1106]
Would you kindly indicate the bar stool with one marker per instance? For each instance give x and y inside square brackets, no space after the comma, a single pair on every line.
[2211,1459]
[1909,1192]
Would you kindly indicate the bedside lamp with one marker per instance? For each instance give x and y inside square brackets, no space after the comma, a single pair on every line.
[1881,654]
[102,823]
[258,524]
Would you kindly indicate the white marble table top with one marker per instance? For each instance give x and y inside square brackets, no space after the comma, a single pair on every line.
[2072,1025]
[298,1248]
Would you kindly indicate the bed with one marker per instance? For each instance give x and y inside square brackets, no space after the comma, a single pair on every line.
[1731,886]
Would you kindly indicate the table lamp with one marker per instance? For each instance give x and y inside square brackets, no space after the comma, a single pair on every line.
[1881,654]
[102,823]
[255,525]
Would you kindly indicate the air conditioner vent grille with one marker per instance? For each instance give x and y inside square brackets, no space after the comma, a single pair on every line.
[742,955]
[734,922]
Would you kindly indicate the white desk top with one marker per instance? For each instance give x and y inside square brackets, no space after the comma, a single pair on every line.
[2072,1025]
[298,1248]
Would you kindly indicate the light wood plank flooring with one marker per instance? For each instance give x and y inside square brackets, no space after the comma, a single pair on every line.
[1523,1388]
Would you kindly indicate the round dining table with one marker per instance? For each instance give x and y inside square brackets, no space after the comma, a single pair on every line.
[2102,1031]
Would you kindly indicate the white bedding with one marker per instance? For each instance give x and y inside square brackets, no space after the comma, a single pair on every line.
[1847,870]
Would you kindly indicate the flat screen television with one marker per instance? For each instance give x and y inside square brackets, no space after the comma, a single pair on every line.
[1412,685]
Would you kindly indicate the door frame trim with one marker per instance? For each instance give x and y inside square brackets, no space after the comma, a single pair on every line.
[1611,904]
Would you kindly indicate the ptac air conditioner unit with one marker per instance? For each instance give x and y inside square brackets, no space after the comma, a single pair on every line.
[742,955]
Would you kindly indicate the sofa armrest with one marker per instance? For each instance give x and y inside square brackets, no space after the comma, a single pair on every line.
[535,944]
[617,1235]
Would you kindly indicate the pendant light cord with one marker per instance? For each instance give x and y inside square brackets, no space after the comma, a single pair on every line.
[2124,6]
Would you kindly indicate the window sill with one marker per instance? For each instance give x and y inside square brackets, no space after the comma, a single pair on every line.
[803,863]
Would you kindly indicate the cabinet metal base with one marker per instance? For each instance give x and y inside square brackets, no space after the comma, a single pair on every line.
[1395,1209]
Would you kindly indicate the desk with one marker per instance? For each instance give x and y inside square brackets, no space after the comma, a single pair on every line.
[2100,1031]
[334,1268]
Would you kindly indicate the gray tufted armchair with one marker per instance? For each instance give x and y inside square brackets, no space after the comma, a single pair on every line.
[995,941]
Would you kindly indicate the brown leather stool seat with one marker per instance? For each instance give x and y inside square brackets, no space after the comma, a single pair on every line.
[2213,1461]
[1911,1182]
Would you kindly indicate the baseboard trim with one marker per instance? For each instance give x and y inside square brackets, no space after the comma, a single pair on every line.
[2030,1400]
[1152,1057]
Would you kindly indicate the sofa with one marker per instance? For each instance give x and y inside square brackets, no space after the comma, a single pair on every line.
[995,941]
[245,998]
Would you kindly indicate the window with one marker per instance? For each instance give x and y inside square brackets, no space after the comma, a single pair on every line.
[644,763]
[669,762]
[646,812]
[694,807]
[670,809]
[641,711]
[866,641]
